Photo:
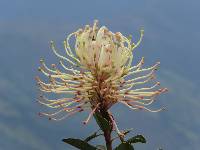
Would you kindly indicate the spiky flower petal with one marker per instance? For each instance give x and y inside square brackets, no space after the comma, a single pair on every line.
[97,73]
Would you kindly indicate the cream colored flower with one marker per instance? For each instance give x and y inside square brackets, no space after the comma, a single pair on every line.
[96,73]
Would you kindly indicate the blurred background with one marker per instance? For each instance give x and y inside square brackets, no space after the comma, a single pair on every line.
[172,33]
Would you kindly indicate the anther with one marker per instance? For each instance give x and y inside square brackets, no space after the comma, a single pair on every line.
[141,97]
[39,69]
[53,65]
[78,93]
[37,78]
[158,83]
[40,114]
[165,90]
[87,27]
[41,60]
[142,61]
[142,31]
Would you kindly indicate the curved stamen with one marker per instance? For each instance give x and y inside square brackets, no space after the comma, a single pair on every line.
[60,56]
[69,53]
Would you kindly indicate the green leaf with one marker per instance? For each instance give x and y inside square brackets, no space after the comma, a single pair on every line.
[137,139]
[92,136]
[102,122]
[124,146]
[82,145]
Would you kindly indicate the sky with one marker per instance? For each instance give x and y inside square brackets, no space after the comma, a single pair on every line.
[171,36]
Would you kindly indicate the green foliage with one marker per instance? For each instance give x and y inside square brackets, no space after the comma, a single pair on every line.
[80,144]
[102,122]
[137,139]
[124,146]
[104,125]
[92,136]
[127,145]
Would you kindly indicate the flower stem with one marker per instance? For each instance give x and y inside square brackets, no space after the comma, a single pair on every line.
[107,136]
[107,133]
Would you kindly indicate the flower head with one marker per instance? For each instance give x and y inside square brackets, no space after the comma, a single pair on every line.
[97,73]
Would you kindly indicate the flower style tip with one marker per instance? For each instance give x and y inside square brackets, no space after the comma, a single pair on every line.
[96,73]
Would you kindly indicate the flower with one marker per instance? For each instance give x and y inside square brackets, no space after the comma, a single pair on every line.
[97,73]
